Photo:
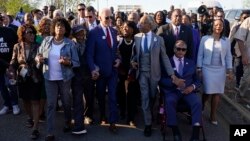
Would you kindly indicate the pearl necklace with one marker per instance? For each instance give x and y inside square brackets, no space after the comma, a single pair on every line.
[128,43]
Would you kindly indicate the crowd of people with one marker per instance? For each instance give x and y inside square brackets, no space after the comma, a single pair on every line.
[133,58]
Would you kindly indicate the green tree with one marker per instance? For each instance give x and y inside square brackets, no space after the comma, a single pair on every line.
[2,5]
[13,6]
[246,3]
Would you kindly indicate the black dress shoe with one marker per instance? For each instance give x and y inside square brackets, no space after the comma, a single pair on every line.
[177,138]
[50,138]
[147,131]
[113,128]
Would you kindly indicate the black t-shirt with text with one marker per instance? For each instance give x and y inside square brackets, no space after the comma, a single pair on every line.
[8,38]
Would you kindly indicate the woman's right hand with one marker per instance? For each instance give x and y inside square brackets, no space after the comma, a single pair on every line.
[39,58]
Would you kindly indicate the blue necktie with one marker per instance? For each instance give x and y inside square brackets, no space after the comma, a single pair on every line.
[180,71]
[146,44]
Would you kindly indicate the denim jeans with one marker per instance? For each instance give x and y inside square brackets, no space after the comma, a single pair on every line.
[53,88]
[8,92]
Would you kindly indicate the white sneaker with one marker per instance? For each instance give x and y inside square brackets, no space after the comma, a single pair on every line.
[16,110]
[4,110]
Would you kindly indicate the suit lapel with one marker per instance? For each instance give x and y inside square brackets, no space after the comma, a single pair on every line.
[185,67]
[153,40]
[174,67]
[113,36]
[181,32]
[138,43]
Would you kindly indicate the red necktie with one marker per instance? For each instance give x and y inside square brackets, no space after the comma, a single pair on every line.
[108,37]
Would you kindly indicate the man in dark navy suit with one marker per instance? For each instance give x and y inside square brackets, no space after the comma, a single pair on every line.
[176,31]
[103,61]
[184,69]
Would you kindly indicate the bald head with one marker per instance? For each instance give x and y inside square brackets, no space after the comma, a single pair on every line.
[146,23]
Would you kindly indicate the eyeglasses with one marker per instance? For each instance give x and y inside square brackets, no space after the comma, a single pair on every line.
[82,9]
[89,17]
[181,49]
[108,17]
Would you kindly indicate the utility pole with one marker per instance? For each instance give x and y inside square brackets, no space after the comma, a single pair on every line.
[65,5]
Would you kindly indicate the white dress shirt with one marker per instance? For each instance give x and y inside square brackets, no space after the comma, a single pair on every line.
[92,25]
[104,30]
[178,27]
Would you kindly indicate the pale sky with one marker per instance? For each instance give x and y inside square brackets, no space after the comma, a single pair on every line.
[155,5]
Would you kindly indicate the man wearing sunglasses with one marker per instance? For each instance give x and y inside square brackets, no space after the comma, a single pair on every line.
[80,20]
[103,61]
[91,21]
[184,69]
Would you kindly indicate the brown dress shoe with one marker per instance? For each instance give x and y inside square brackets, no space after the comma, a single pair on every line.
[113,128]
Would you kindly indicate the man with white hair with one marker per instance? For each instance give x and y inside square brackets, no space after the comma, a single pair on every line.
[103,62]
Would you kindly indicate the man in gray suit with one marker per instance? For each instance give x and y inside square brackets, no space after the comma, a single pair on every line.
[148,57]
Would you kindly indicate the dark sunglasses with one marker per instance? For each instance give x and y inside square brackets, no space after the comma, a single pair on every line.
[89,17]
[108,17]
[82,9]
[181,49]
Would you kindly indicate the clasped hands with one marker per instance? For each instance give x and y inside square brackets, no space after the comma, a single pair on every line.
[180,83]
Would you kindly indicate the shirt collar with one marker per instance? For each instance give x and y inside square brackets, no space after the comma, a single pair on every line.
[94,23]
[177,59]
[149,33]
[174,26]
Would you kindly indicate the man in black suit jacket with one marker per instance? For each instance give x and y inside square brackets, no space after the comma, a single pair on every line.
[170,35]
[220,15]
[91,19]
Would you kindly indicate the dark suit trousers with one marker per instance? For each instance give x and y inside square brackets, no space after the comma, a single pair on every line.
[111,83]
[89,94]
[171,101]
[77,86]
